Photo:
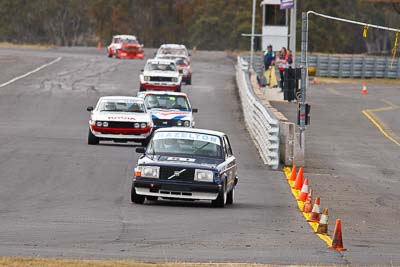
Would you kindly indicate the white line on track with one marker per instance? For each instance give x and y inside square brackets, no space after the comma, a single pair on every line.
[31,72]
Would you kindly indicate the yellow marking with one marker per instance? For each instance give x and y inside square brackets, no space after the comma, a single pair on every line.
[390,104]
[367,112]
[300,204]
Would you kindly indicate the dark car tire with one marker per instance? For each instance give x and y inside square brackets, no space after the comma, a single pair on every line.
[92,139]
[141,89]
[220,201]
[135,198]
[152,198]
[230,197]
[179,89]
[189,81]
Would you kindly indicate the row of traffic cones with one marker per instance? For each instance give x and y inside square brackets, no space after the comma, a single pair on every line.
[306,195]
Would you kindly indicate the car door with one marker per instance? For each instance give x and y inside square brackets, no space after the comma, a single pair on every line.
[230,160]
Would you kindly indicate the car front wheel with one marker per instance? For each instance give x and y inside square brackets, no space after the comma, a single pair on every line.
[135,198]
[92,139]
[220,201]
[230,197]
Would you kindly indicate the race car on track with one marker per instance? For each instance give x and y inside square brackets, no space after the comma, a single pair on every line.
[119,119]
[160,74]
[177,50]
[183,65]
[186,164]
[125,46]
[169,109]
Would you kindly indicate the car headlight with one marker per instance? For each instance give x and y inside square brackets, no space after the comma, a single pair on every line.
[143,125]
[179,123]
[99,124]
[146,78]
[136,125]
[105,124]
[150,171]
[175,80]
[186,123]
[203,176]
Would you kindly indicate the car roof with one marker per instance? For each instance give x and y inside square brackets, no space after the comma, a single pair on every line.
[191,130]
[161,60]
[125,36]
[180,46]
[121,97]
[163,93]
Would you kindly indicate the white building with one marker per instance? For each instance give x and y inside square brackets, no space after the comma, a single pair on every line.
[275,25]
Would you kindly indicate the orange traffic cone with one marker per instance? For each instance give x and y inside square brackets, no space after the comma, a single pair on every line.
[99,46]
[364,90]
[308,204]
[315,213]
[299,180]
[337,242]
[323,223]
[304,191]
[293,173]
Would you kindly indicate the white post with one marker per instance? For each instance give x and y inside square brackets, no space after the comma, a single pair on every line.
[253,25]
[292,43]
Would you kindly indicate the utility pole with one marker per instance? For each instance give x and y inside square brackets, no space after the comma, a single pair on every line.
[304,72]
[292,43]
[253,25]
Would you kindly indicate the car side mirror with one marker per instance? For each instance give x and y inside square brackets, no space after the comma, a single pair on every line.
[140,150]
[195,110]
[89,108]
[155,53]
[142,70]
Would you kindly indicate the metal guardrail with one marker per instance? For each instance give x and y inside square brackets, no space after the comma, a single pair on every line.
[347,66]
[262,124]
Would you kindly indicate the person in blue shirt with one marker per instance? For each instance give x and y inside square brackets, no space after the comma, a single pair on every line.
[269,65]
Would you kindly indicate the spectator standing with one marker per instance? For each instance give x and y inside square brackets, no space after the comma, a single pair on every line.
[282,64]
[269,66]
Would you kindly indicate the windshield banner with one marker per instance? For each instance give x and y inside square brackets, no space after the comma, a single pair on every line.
[188,136]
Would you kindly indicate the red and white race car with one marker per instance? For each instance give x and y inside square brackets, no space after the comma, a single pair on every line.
[160,74]
[183,66]
[119,119]
[125,46]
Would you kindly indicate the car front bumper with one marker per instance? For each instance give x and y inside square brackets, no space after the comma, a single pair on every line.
[121,133]
[169,189]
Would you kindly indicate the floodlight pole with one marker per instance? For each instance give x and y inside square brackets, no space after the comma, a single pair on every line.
[253,25]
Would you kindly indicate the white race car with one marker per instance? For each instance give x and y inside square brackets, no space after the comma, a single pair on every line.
[169,109]
[176,50]
[119,119]
[160,74]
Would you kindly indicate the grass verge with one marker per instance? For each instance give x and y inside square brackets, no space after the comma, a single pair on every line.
[31,46]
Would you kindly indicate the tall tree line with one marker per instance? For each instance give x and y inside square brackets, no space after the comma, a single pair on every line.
[205,24]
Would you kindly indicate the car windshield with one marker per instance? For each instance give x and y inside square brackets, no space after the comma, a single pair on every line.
[185,143]
[172,51]
[125,41]
[121,105]
[167,102]
[160,66]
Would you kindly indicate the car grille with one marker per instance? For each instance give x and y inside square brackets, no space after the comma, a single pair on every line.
[160,79]
[167,172]
[164,123]
[121,124]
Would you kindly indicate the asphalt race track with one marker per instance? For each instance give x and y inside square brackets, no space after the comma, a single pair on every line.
[60,197]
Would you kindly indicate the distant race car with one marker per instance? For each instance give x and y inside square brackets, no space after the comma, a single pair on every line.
[169,109]
[125,46]
[186,164]
[119,119]
[177,50]
[160,74]
[183,65]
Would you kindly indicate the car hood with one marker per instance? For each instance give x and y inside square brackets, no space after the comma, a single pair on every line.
[158,73]
[120,116]
[180,161]
[170,114]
